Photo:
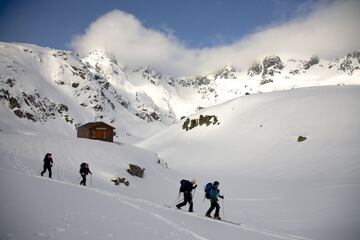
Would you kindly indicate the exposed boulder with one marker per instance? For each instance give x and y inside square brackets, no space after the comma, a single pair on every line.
[202,120]
[135,170]
[119,180]
[301,138]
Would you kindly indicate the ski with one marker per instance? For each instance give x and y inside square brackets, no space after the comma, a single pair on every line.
[231,222]
[211,218]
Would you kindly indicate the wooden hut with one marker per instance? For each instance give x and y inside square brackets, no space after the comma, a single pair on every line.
[96,131]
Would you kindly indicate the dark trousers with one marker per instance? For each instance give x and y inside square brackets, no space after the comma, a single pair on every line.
[83,181]
[214,204]
[187,199]
[44,170]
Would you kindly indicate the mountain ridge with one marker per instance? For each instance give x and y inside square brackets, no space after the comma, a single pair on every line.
[43,84]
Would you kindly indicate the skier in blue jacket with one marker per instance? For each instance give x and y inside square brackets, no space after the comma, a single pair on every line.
[214,194]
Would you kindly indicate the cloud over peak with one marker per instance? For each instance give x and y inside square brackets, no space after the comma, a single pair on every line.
[328,30]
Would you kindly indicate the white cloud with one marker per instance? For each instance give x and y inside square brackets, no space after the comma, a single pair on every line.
[329,30]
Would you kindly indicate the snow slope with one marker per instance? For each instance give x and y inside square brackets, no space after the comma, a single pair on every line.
[76,212]
[309,188]
[34,207]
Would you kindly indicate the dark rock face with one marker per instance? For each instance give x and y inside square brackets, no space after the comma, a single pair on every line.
[265,81]
[272,65]
[294,72]
[135,170]
[255,69]
[10,82]
[202,120]
[313,61]
[13,103]
[347,64]
[152,76]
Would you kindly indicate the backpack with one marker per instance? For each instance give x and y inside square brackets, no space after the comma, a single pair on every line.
[84,165]
[185,185]
[207,190]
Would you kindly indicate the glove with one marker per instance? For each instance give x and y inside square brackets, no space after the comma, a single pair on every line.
[222,197]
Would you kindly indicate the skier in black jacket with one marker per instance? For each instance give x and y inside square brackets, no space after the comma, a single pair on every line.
[84,170]
[187,187]
[48,162]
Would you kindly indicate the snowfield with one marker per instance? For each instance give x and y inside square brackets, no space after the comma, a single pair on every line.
[309,188]
[276,187]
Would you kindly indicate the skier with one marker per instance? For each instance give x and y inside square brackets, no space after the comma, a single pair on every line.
[48,162]
[212,194]
[186,187]
[84,170]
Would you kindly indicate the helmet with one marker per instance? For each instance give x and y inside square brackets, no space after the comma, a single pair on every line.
[216,183]
[193,181]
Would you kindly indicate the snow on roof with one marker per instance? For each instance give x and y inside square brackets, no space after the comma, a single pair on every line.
[95,124]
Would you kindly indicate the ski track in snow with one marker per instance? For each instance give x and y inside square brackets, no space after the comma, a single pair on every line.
[241,226]
[150,207]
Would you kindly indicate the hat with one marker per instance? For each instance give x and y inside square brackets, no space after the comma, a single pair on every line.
[216,183]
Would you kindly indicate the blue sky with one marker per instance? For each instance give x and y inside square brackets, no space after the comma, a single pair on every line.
[188,36]
[197,23]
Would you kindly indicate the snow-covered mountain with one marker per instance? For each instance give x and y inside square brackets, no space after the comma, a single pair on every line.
[52,90]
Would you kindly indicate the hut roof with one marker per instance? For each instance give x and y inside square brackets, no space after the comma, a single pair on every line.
[95,124]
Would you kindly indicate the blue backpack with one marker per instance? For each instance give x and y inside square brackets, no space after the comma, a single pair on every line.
[207,189]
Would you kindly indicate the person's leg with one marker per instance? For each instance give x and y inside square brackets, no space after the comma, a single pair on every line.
[43,171]
[212,206]
[217,209]
[50,174]
[83,180]
[183,203]
[189,200]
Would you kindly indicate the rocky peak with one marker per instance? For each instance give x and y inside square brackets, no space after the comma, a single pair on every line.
[272,65]
[313,61]
[255,69]
[150,75]
[228,72]
[347,64]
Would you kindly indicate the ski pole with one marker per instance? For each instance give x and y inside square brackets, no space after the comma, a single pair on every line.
[91,180]
[223,209]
